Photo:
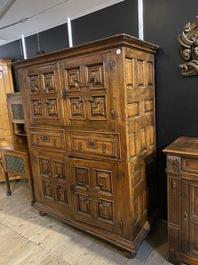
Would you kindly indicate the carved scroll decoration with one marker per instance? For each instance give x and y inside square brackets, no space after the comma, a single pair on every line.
[189,49]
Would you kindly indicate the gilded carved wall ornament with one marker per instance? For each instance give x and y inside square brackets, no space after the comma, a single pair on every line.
[189,49]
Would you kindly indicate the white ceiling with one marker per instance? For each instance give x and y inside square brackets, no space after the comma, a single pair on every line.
[32,16]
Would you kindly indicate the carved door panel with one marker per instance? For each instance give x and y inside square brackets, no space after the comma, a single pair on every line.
[190,218]
[44,92]
[87,92]
[51,179]
[95,194]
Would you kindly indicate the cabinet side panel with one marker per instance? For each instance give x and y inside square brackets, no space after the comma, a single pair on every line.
[140,117]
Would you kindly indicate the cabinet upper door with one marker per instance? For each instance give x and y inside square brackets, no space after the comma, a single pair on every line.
[43,91]
[87,92]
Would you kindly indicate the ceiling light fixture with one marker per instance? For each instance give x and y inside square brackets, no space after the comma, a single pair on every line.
[25,19]
[6,7]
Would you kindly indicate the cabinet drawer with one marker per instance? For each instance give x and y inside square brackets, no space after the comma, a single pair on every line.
[189,165]
[96,144]
[48,138]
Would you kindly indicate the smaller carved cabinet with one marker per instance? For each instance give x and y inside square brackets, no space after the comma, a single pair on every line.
[182,172]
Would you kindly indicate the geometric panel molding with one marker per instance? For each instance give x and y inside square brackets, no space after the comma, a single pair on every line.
[140,73]
[106,210]
[95,76]
[98,107]
[129,63]
[103,181]
[132,148]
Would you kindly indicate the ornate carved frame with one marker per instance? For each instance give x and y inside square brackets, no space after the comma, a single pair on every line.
[189,49]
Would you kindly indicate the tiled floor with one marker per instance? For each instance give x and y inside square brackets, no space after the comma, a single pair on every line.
[27,238]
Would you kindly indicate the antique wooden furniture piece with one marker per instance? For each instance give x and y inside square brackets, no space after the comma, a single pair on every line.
[90,119]
[15,157]
[6,86]
[182,172]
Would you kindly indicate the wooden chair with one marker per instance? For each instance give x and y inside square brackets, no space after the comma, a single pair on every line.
[15,161]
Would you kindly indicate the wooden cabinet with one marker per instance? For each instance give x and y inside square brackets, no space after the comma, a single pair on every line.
[90,119]
[6,86]
[182,171]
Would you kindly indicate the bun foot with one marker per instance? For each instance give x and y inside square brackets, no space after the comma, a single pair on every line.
[42,213]
[130,255]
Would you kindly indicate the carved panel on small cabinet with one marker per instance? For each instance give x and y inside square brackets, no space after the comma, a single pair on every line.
[182,172]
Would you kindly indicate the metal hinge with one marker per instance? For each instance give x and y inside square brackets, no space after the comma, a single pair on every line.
[65,94]
[73,187]
[111,65]
[113,115]
[120,174]
[121,226]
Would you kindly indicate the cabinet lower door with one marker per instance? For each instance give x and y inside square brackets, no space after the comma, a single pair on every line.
[190,218]
[95,193]
[51,181]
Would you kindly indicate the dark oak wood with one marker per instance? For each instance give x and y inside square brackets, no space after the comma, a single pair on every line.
[182,172]
[90,119]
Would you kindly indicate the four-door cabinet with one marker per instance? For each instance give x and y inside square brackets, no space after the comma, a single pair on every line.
[90,119]
[182,171]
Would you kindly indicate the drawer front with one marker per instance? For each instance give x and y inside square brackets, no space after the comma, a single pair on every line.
[48,138]
[97,144]
[189,165]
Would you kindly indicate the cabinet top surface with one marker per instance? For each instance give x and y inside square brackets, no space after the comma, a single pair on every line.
[13,95]
[183,146]
[119,40]
[17,148]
